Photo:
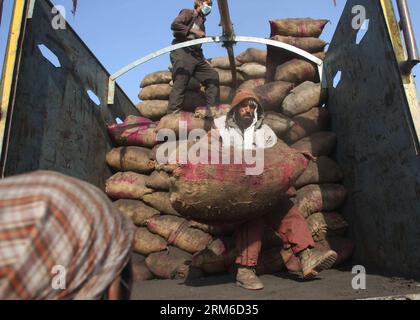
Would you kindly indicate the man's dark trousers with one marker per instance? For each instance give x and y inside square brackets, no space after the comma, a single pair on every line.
[187,64]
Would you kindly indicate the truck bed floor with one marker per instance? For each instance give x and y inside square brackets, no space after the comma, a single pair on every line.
[331,285]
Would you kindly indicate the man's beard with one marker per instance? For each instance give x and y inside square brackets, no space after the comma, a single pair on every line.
[245,122]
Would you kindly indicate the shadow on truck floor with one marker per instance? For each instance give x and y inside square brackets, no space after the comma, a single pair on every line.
[335,284]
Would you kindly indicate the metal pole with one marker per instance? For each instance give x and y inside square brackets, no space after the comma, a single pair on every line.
[229,33]
[410,41]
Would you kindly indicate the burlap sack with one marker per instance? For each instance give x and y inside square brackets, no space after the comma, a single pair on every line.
[136,210]
[155,92]
[178,233]
[252,55]
[173,121]
[135,132]
[136,159]
[226,94]
[279,123]
[320,198]
[153,109]
[127,185]
[315,120]
[328,224]
[231,194]
[251,84]
[303,98]
[297,70]
[158,180]
[171,264]
[146,242]
[322,170]
[318,144]
[140,270]
[225,77]
[222,62]
[310,45]
[300,27]
[218,257]
[160,201]
[272,94]
[158,77]
[252,70]
[212,112]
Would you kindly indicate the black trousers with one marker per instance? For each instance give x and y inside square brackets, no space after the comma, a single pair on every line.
[185,65]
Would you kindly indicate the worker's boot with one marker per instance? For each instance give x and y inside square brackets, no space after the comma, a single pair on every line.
[314,261]
[247,278]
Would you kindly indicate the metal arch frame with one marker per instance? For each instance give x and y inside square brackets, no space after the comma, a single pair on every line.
[217,39]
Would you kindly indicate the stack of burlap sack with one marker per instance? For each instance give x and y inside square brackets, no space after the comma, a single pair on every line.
[168,245]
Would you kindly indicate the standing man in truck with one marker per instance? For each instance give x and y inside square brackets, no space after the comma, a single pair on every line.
[190,62]
[244,127]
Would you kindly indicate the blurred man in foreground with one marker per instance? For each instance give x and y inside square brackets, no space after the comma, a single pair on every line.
[61,238]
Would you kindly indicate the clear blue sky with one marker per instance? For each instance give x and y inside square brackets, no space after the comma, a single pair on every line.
[119,32]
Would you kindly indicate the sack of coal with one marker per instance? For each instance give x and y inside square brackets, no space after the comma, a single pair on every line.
[159,180]
[298,27]
[252,70]
[272,94]
[164,225]
[343,246]
[153,109]
[303,98]
[127,185]
[136,159]
[146,242]
[317,144]
[298,70]
[171,264]
[158,77]
[251,84]
[311,45]
[252,55]
[305,124]
[178,233]
[279,123]
[226,79]
[275,58]
[320,198]
[320,171]
[212,112]
[218,257]
[136,210]
[235,192]
[155,92]
[222,62]
[327,224]
[140,270]
[139,132]
[182,120]
[226,94]
[160,201]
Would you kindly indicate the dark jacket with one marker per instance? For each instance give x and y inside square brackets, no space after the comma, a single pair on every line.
[182,25]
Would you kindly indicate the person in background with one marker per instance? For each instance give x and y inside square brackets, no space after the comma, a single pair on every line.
[62,238]
[244,127]
[190,62]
